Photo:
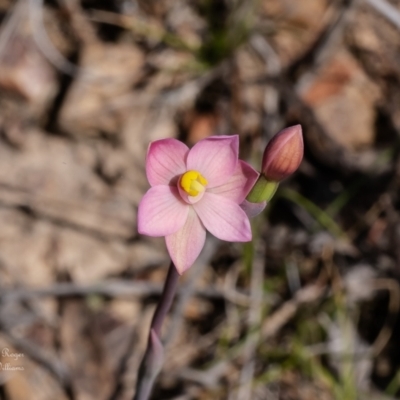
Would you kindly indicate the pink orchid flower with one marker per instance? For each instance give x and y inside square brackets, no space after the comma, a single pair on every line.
[193,191]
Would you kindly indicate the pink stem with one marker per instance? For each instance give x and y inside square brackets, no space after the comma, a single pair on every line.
[154,356]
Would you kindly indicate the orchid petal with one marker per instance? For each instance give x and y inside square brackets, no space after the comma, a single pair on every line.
[238,186]
[185,245]
[215,158]
[223,218]
[165,161]
[161,211]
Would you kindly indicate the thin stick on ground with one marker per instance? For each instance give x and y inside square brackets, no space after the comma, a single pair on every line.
[387,10]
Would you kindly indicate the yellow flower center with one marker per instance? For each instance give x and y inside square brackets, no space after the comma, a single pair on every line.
[193,183]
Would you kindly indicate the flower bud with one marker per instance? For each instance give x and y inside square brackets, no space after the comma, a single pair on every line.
[283,154]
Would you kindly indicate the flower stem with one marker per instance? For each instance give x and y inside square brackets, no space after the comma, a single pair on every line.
[165,302]
[154,356]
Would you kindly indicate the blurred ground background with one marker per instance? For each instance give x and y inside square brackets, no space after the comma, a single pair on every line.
[309,310]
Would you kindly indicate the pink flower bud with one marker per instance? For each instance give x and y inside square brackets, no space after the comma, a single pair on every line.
[283,154]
